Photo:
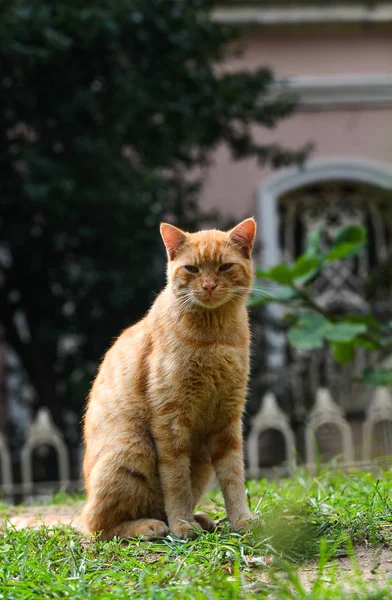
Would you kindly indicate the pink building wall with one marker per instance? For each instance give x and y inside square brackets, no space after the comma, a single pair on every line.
[318,54]
[347,132]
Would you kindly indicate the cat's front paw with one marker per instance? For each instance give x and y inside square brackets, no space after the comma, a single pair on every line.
[245,523]
[185,529]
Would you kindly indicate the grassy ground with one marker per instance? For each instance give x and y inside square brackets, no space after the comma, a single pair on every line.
[322,537]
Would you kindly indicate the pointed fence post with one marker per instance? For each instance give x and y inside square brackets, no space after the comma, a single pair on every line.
[380,409]
[44,431]
[326,412]
[270,416]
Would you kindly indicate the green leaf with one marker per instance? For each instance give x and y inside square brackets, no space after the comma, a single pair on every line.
[368,320]
[309,331]
[350,234]
[348,241]
[313,247]
[342,352]
[343,251]
[344,332]
[373,376]
[279,273]
[365,343]
[305,267]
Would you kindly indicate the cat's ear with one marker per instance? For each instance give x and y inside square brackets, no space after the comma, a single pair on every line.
[173,238]
[243,235]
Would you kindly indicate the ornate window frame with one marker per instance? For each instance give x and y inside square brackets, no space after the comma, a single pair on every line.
[273,188]
[269,192]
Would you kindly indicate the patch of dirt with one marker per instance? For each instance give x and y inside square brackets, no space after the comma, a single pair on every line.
[369,564]
[46,509]
[34,516]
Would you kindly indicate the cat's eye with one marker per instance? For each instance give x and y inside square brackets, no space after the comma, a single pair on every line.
[225,267]
[191,268]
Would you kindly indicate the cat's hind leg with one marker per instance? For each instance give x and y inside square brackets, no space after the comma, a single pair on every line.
[148,529]
[124,502]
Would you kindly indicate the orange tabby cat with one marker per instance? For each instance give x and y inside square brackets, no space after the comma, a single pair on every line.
[165,409]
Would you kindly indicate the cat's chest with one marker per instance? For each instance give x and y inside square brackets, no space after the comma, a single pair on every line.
[215,387]
[212,372]
[200,389]
[215,361]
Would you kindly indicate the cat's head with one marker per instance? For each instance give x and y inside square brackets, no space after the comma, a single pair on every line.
[210,268]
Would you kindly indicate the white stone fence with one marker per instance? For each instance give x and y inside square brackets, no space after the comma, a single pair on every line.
[363,448]
[338,442]
[42,431]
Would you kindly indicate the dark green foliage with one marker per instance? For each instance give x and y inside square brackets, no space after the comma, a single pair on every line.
[109,113]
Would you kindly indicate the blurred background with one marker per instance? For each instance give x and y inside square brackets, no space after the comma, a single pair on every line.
[115,116]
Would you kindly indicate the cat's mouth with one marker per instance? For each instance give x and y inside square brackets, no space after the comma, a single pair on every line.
[204,299]
[207,300]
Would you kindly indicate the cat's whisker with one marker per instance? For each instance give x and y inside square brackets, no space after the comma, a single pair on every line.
[185,300]
[184,303]
[262,294]
[258,292]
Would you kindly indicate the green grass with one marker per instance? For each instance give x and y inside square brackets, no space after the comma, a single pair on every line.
[306,524]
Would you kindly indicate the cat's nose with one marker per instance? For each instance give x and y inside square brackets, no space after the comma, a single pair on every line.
[209,286]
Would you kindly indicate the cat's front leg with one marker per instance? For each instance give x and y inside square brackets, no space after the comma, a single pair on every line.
[227,459]
[175,474]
